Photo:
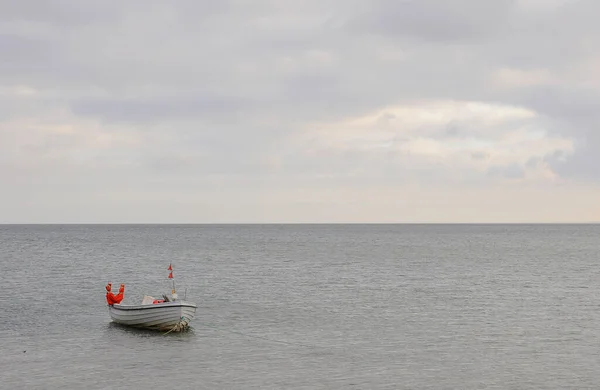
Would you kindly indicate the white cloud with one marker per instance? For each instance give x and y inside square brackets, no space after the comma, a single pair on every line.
[519,78]
[449,132]
[56,138]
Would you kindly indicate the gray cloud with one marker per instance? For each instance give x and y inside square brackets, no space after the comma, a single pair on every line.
[585,163]
[512,171]
[461,21]
[149,110]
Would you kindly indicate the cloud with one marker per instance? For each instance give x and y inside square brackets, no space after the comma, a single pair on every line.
[471,136]
[148,110]
[296,105]
[433,20]
[519,78]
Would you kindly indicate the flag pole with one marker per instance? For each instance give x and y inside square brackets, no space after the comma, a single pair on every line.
[172,278]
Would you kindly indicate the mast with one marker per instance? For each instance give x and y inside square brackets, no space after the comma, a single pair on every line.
[173,293]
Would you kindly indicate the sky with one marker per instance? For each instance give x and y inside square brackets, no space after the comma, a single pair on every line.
[313,111]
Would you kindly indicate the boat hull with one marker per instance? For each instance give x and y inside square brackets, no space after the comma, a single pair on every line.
[167,316]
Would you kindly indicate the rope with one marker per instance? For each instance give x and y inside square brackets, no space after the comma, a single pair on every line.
[179,326]
[174,327]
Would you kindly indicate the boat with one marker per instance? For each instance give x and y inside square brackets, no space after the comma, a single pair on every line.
[166,314]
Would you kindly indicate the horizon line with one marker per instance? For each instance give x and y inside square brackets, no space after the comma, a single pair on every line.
[282,223]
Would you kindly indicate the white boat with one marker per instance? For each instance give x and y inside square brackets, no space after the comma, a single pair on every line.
[166,316]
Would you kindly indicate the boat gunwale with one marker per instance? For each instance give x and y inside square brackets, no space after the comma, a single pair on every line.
[152,306]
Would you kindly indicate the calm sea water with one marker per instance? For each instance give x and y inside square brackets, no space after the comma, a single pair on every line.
[306,307]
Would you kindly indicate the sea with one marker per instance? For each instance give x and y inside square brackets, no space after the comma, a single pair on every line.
[305,306]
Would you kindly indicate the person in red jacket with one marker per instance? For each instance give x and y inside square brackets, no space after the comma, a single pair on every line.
[111,298]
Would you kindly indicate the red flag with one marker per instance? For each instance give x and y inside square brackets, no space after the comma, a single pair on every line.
[171,275]
[170,268]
